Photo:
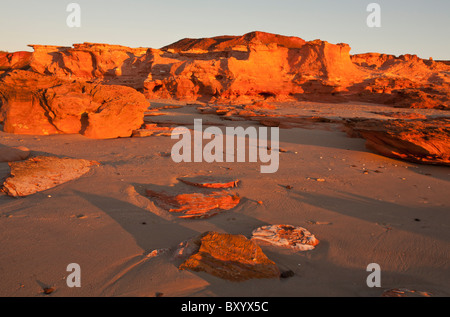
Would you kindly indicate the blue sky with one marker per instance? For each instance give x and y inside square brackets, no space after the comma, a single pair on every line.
[415,26]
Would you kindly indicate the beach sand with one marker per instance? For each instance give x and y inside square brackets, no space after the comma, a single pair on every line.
[397,215]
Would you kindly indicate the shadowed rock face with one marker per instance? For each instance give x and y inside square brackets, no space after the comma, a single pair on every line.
[230,257]
[11,154]
[41,105]
[419,141]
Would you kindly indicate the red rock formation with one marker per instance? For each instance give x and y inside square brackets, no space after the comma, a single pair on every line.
[43,172]
[230,257]
[17,60]
[223,43]
[229,69]
[39,104]
[420,141]
[248,69]
[195,205]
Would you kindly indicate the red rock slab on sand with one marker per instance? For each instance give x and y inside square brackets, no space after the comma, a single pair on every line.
[195,205]
[43,172]
[231,257]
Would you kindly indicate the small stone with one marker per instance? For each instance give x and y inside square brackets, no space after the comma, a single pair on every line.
[48,290]
[287,274]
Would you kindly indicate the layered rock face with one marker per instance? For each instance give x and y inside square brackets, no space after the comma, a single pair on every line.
[418,141]
[43,172]
[255,66]
[17,60]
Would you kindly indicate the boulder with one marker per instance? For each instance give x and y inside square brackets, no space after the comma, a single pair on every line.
[41,105]
[418,141]
[227,69]
[230,257]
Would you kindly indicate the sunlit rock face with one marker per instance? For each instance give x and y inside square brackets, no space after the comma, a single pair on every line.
[418,141]
[41,105]
[230,257]
[43,172]
[255,66]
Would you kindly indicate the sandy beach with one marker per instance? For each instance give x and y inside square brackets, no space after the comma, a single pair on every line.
[364,208]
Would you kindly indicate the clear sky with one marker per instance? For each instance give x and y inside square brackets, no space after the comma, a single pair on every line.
[419,27]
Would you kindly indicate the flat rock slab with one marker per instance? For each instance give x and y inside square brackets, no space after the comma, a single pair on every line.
[11,154]
[195,204]
[210,182]
[418,141]
[43,172]
[404,292]
[230,257]
[285,236]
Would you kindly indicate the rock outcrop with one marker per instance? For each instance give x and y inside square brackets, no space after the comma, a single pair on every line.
[100,90]
[228,69]
[43,172]
[17,60]
[32,103]
[419,141]
[230,257]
